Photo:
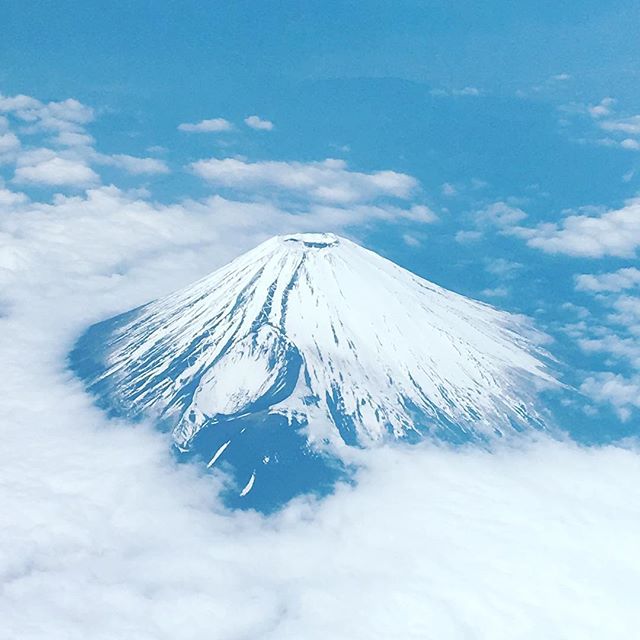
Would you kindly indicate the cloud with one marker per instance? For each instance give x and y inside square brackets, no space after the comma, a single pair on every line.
[19,103]
[620,129]
[629,143]
[497,292]
[626,278]
[73,139]
[108,228]
[500,214]
[502,267]
[329,180]
[410,240]
[255,122]
[467,236]
[465,91]
[629,125]
[66,115]
[8,142]
[622,393]
[611,233]
[69,164]
[612,343]
[135,166]
[56,171]
[616,336]
[603,108]
[448,190]
[11,198]
[361,214]
[214,125]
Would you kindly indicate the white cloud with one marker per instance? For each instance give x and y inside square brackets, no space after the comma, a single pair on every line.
[410,240]
[56,171]
[629,125]
[621,129]
[613,344]
[70,110]
[465,91]
[612,233]
[603,108]
[9,104]
[617,338]
[467,236]
[66,115]
[73,139]
[502,267]
[329,180]
[622,393]
[11,198]
[135,165]
[107,227]
[8,142]
[497,292]
[631,144]
[255,122]
[627,313]
[626,278]
[448,190]
[213,125]
[70,165]
[333,216]
[500,214]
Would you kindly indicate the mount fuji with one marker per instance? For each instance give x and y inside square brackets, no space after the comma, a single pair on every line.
[309,343]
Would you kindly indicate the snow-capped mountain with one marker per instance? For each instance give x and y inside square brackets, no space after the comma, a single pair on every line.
[307,343]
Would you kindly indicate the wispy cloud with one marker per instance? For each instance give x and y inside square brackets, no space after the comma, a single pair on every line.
[134,165]
[255,122]
[329,180]
[213,125]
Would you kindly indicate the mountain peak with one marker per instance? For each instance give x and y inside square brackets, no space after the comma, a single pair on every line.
[309,240]
[324,338]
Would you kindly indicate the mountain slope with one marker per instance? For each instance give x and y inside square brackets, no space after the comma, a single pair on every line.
[329,337]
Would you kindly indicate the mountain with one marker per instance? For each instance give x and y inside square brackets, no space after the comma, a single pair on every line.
[306,344]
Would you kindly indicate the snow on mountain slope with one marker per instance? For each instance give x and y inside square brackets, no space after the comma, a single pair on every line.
[320,330]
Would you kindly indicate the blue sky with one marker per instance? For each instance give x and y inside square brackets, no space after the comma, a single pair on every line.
[493,148]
